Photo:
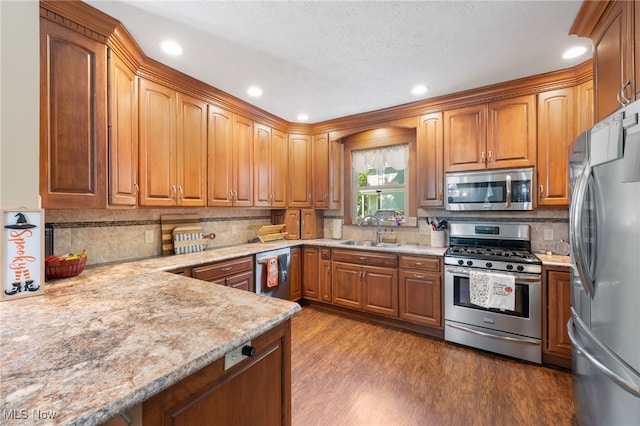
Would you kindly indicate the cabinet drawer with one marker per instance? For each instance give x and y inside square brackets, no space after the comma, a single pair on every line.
[423,263]
[222,269]
[325,254]
[365,258]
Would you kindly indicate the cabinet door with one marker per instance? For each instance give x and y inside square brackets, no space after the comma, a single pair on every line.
[555,134]
[295,274]
[311,224]
[321,155]
[292,222]
[335,173]
[421,298]
[279,168]
[346,285]
[324,278]
[242,162]
[262,169]
[583,116]
[511,133]
[558,313]
[612,56]
[73,119]
[465,138]
[243,281]
[300,171]
[430,161]
[157,145]
[380,290]
[310,282]
[220,154]
[191,152]
[228,397]
[123,134]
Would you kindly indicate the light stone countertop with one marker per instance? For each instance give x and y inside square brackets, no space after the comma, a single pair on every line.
[554,260]
[110,338]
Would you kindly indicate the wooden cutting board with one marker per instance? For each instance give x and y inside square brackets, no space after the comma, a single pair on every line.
[168,222]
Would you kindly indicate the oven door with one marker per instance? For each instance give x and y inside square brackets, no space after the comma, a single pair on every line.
[524,320]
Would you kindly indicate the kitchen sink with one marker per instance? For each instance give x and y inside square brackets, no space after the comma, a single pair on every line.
[359,243]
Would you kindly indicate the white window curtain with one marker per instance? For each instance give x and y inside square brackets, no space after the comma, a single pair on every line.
[396,156]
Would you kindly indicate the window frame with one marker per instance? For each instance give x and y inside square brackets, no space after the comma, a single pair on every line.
[380,138]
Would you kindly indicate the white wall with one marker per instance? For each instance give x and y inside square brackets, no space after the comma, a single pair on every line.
[19,103]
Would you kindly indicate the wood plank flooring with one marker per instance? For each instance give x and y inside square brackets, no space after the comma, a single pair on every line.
[351,373]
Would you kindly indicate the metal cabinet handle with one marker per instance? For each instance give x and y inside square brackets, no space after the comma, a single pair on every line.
[621,95]
[173,192]
[489,156]
[419,276]
[227,269]
[136,189]
[440,194]
[541,194]
[362,257]
[508,179]
[482,156]
[180,193]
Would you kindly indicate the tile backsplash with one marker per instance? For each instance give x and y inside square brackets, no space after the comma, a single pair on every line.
[120,235]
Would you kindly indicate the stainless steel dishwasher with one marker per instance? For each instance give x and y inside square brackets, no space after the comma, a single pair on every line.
[283,289]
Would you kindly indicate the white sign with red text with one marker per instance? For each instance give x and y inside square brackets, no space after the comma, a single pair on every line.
[22,253]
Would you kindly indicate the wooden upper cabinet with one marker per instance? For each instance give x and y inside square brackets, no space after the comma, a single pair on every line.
[335,175]
[556,131]
[465,138]
[430,161]
[73,119]
[230,141]
[157,140]
[279,168]
[300,181]
[584,116]
[192,151]
[611,26]
[173,147]
[321,157]
[262,169]
[270,150]
[123,134]
[500,134]
[511,133]
[242,161]
[220,154]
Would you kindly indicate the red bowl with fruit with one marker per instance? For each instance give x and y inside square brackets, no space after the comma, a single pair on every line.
[64,267]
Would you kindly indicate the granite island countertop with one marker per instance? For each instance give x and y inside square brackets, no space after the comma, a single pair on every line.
[92,347]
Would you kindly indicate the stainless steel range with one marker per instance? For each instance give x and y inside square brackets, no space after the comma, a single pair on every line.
[481,257]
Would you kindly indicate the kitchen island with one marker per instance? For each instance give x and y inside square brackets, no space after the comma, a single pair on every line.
[93,346]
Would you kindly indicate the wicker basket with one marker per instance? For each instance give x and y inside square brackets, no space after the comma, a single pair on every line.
[64,268]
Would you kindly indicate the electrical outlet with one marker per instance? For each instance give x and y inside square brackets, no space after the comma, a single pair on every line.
[234,229]
[548,234]
[148,237]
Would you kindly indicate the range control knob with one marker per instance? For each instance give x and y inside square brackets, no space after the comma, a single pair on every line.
[509,267]
[489,264]
[520,268]
[460,262]
[469,263]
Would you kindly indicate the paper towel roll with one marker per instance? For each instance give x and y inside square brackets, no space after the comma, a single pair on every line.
[337,229]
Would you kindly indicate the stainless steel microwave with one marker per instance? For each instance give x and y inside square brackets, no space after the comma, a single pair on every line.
[509,189]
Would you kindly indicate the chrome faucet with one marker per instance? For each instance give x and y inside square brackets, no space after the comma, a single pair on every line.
[378,230]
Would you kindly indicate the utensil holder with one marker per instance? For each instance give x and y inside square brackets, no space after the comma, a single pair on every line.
[438,238]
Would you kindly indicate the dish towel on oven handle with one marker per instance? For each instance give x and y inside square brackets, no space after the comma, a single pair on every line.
[272,271]
[491,290]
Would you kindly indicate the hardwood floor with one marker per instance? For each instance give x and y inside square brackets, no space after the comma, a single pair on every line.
[352,373]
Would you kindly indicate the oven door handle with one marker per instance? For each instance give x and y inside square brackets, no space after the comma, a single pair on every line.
[523,340]
[519,278]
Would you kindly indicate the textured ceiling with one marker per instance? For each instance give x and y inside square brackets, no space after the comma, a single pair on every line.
[333,59]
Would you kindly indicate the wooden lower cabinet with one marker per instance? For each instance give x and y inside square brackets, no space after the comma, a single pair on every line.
[236,273]
[255,391]
[295,274]
[324,275]
[310,288]
[421,290]
[556,344]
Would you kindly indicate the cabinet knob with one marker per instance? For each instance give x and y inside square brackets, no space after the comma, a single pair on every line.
[248,350]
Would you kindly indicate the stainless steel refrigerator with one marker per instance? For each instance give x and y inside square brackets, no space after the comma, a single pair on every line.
[605,279]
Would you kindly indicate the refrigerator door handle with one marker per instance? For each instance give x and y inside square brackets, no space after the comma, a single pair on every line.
[577,250]
[629,386]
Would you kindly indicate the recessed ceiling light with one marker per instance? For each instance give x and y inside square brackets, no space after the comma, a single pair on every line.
[171,47]
[574,52]
[254,91]
[419,90]
[303,117]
